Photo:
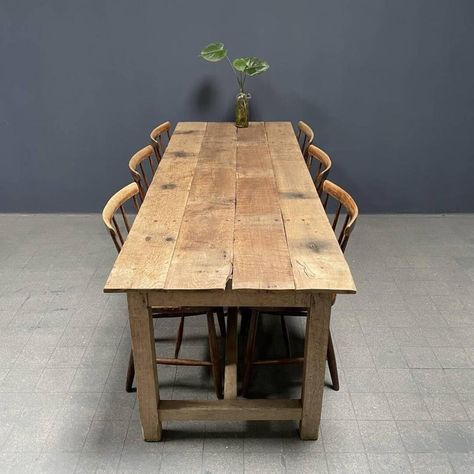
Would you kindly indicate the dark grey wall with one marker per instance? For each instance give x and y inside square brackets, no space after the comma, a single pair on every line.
[387,85]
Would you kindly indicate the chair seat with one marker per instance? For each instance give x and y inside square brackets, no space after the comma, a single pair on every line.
[176,312]
[287,311]
[282,311]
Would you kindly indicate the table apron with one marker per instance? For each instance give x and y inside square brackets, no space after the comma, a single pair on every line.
[290,299]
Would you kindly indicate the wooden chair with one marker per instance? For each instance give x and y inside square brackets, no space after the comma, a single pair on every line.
[324,164]
[142,166]
[305,138]
[344,204]
[118,233]
[158,140]
[144,162]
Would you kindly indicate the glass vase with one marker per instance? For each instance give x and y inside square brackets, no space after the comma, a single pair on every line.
[242,110]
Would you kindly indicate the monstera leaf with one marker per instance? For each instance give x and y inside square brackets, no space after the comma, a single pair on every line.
[242,67]
[214,52]
[256,66]
[251,66]
[239,64]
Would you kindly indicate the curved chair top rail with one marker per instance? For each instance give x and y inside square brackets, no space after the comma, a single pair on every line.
[346,201]
[306,129]
[325,164]
[115,203]
[305,132]
[137,158]
[137,169]
[156,137]
[157,131]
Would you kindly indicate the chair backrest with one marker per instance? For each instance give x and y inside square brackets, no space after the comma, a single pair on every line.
[114,204]
[142,159]
[305,138]
[159,137]
[345,203]
[323,165]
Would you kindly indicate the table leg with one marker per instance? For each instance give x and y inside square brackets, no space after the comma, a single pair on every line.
[230,373]
[143,344]
[315,349]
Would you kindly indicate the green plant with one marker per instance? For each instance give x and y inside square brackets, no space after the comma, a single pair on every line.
[242,67]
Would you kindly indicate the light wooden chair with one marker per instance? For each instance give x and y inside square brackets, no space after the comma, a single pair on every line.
[158,140]
[116,205]
[142,166]
[324,165]
[343,229]
[144,162]
[305,138]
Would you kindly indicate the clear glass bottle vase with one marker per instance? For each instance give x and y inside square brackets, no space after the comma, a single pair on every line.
[242,110]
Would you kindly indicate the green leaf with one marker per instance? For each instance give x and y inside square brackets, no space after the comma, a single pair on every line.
[250,65]
[239,64]
[255,66]
[214,52]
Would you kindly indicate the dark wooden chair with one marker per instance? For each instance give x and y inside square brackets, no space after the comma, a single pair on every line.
[159,138]
[305,138]
[115,207]
[343,227]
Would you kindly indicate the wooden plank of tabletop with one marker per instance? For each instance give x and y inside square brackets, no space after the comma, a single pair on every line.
[145,258]
[261,257]
[202,258]
[316,257]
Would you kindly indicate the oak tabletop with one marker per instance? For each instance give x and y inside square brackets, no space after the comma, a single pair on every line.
[231,209]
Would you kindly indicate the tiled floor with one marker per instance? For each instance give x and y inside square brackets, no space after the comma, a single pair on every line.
[405,346]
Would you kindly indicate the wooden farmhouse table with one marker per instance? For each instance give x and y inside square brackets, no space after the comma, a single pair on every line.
[231,219]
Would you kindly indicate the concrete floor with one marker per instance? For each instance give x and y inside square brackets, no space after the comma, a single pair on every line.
[405,346]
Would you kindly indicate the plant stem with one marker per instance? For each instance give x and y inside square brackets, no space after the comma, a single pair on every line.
[239,81]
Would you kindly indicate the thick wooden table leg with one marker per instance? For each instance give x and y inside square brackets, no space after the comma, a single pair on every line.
[230,374]
[143,344]
[315,349]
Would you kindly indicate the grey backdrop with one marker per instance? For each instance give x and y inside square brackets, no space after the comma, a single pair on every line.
[387,85]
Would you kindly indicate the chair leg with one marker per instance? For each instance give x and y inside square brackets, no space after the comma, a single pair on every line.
[214,353]
[221,321]
[286,336]
[250,351]
[130,374]
[179,338]
[331,358]
[244,321]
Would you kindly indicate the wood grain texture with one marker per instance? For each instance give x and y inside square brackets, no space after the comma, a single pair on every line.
[146,256]
[230,410]
[231,210]
[144,355]
[203,254]
[228,297]
[317,260]
[261,258]
[314,365]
